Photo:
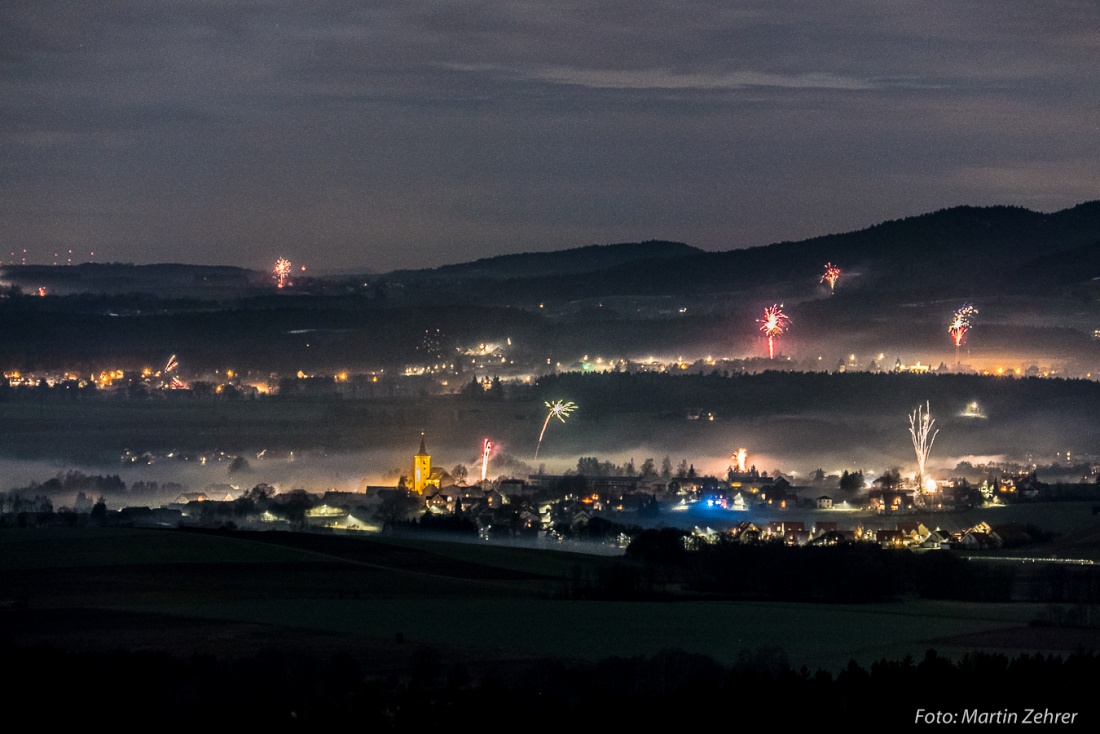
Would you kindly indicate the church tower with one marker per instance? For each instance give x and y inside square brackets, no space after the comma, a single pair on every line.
[422,468]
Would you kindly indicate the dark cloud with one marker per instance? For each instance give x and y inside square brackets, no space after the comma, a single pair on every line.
[387,134]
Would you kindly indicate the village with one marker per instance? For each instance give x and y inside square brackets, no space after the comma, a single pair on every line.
[590,506]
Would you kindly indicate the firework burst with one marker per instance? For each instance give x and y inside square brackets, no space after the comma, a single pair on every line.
[831,276]
[921,431]
[282,272]
[773,325]
[486,449]
[559,409]
[960,324]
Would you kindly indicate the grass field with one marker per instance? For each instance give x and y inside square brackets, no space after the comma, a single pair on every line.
[386,601]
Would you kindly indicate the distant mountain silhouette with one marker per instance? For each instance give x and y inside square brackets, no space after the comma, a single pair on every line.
[592,258]
[162,279]
[961,251]
[901,280]
[965,249]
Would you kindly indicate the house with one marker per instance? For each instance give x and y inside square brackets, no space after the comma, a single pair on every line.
[691,487]
[529,518]
[824,502]
[890,500]
[780,528]
[796,537]
[976,540]
[439,503]
[980,537]
[325,515]
[188,497]
[344,499]
[746,532]
[939,539]
[915,532]
[890,538]
[779,495]
[513,488]
[221,492]
[494,499]
[834,537]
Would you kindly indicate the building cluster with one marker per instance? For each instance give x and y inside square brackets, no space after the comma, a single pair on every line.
[573,506]
[828,533]
[566,506]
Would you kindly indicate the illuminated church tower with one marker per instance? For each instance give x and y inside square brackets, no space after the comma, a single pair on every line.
[422,469]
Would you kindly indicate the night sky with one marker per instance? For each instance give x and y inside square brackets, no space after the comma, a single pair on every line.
[352,134]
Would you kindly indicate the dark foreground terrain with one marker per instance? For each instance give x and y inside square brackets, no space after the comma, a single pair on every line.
[400,634]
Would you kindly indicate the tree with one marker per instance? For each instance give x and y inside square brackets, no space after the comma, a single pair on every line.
[666,467]
[401,506]
[891,479]
[260,492]
[659,545]
[588,466]
[682,469]
[239,464]
[649,469]
[253,499]
[851,482]
[459,473]
[293,507]
[473,389]
[98,515]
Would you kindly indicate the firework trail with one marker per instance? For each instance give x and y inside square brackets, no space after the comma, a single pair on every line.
[773,324]
[282,272]
[831,276]
[960,324]
[172,365]
[559,409]
[486,449]
[920,430]
[742,456]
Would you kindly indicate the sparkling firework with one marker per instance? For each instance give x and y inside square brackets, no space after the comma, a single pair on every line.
[920,430]
[960,324]
[773,324]
[171,365]
[486,449]
[831,276]
[559,409]
[282,272]
[742,457]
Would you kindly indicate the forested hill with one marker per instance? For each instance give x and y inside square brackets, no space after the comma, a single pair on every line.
[962,250]
[592,258]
